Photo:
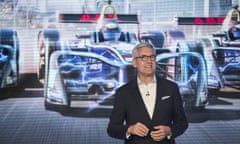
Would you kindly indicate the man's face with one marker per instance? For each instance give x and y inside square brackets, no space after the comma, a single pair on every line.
[145,62]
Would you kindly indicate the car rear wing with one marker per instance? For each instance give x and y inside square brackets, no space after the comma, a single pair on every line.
[200,20]
[231,18]
[93,18]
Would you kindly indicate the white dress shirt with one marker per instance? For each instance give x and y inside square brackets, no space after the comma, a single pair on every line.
[148,93]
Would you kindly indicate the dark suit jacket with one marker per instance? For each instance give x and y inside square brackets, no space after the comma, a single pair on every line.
[129,108]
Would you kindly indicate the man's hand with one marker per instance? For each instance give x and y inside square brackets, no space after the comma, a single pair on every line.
[138,129]
[160,132]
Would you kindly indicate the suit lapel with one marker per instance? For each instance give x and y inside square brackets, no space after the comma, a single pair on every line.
[140,103]
[139,100]
[158,99]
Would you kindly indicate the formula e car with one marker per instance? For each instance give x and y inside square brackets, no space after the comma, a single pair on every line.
[90,66]
[227,52]
[9,58]
[221,51]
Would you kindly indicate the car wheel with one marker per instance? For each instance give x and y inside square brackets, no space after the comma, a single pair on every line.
[48,38]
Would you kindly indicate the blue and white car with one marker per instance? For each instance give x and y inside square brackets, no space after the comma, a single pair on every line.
[227,52]
[220,51]
[91,66]
[88,67]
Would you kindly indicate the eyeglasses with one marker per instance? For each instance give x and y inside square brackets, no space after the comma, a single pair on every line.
[145,58]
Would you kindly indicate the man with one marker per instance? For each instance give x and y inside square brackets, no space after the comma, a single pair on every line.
[148,109]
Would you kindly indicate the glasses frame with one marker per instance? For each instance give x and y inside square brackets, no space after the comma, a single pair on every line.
[146,58]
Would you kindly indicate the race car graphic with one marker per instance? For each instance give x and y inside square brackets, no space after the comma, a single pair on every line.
[227,53]
[9,58]
[92,66]
[221,51]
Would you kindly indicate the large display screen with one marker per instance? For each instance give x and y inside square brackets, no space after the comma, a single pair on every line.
[62,61]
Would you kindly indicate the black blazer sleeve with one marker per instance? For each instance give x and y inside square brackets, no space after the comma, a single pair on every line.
[116,128]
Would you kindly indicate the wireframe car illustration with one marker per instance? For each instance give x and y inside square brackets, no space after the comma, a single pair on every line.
[9,58]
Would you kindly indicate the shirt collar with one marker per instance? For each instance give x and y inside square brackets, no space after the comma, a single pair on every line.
[152,82]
